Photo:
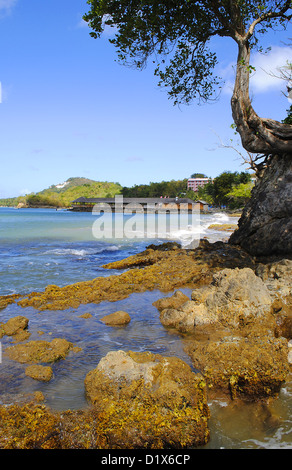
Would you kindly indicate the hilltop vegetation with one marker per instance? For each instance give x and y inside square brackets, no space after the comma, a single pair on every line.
[61,195]
[165,189]
[230,189]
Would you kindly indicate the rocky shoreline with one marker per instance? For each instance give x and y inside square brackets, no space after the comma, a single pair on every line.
[236,328]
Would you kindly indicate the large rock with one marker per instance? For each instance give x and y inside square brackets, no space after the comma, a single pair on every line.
[38,372]
[265,227]
[277,276]
[235,298]
[175,301]
[40,351]
[119,318]
[234,329]
[166,270]
[252,367]
[16,327]
[154,401]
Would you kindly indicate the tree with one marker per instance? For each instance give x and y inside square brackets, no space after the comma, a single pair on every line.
[218,192]
[288,119]
[164,188]
[240,194]
[182,31]
[207,193]
[199,175]
[178,35]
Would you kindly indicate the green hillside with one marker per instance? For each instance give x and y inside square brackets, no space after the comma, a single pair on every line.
[69,183]
[61,195]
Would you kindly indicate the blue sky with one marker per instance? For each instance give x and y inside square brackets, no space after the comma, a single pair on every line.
[69,109]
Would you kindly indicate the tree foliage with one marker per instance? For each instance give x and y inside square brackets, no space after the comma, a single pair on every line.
[62,197]
[241,193]
[199,175]
[177,35]
[288,119]
[226,189]
[162,189]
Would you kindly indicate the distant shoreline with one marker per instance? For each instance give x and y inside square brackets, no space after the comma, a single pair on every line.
[230,213]
[35,207]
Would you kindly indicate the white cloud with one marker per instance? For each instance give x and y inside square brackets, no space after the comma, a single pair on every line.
[6,6]
[267,69]
[5,91]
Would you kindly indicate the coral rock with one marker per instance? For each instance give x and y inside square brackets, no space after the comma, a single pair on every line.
[119,318]
[40,351]
[175,301]
[235,297]
[154,400]
[14,325]
[252,367]
[38,372]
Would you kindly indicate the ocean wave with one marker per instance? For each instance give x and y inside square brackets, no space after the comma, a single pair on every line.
[221,216]
[189,235]
[67,251]
[110,248]
[184,236]
[218,218]
[81,252]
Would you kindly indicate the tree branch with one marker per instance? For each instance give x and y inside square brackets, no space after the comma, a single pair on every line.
[268,16]
[226,25]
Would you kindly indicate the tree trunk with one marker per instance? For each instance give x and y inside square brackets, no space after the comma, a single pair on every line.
[265,227]
[258,135]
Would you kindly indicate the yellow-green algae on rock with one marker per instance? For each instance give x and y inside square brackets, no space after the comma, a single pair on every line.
[248,361]
[164,267]
[16,327]
[235,330]
[154,401]
[119,318]
[157,403]
[39,372]
[223,227]
[251,367]
[40,351]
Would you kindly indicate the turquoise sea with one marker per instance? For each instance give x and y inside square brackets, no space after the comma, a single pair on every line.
[46,246]
[39,247]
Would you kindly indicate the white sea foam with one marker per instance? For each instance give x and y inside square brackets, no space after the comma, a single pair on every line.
[80,252]
[187,235]
[280,440]
[110,248]
[217,218]
[221,216]
[200,230]
[67,251]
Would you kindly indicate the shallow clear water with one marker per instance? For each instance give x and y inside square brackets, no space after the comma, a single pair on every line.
[66,389]
[40,247]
